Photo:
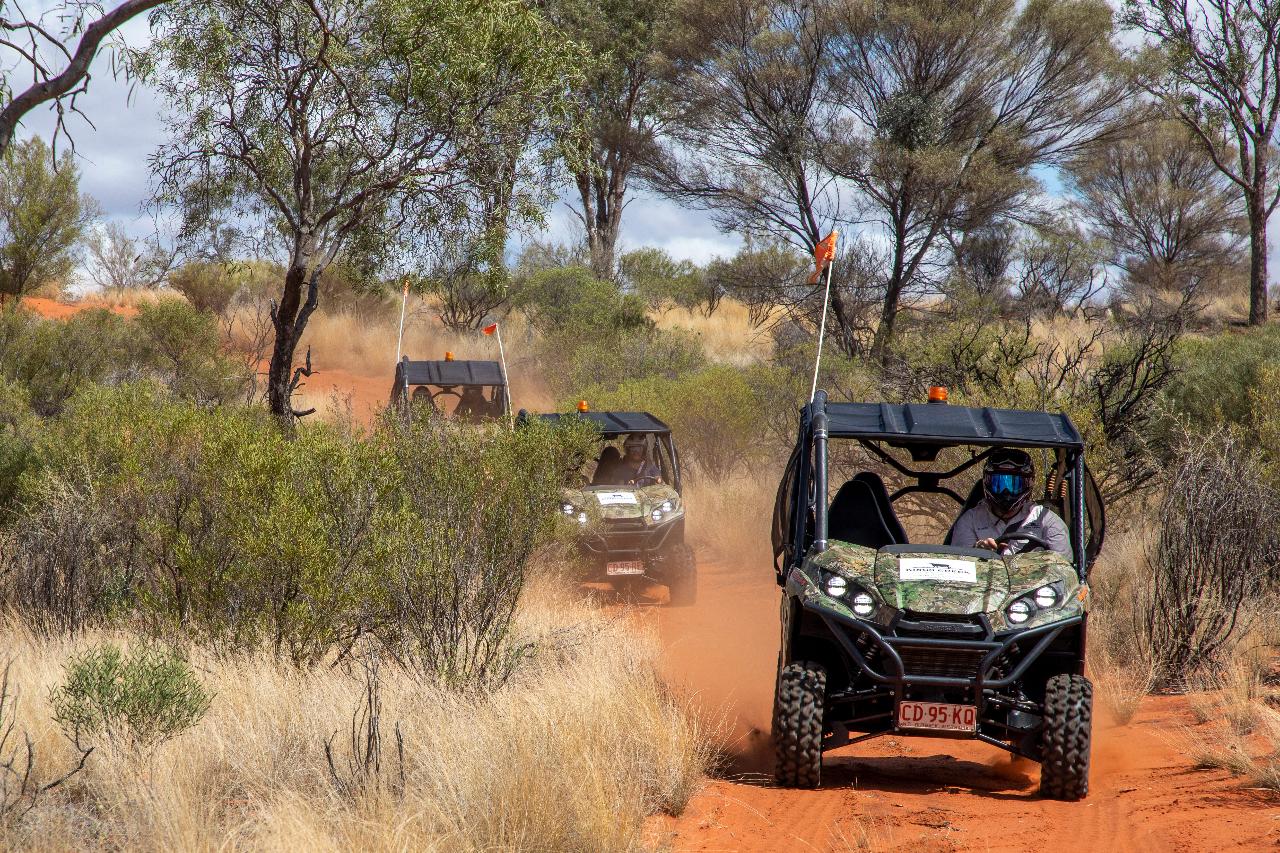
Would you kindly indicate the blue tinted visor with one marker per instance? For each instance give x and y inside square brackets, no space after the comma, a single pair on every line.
[1007,484]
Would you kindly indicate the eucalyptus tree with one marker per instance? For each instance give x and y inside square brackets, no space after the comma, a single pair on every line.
[914,121]
[45,59]
[619,106]
[42,218]
[1170,219]
[343,126]
[744,80]
[947,107]
[1216,65]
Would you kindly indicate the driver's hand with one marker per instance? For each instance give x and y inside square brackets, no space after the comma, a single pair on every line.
[989,544]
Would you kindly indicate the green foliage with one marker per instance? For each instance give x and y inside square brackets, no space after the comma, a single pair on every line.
[139,699]
[209,524]
[572,301]
[659,280]
[714,414]
[207,286]
[605,361]
[1217,374]
[42,217]
[183,343]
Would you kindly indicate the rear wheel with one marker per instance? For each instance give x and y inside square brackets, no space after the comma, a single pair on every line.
[1065,741]
[797,724]
[682,576]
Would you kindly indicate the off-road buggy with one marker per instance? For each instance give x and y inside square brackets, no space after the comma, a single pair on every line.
[469,390]
[632,530]
[884,636]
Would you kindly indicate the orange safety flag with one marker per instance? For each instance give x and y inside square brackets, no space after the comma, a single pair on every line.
[490,329]
[823,254]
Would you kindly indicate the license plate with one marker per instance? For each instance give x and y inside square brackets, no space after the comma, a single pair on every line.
[937,716]
[625,567]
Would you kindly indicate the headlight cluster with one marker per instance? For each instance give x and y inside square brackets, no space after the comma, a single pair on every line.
[662,510]
[573,512]
[837,586]
[1041,598]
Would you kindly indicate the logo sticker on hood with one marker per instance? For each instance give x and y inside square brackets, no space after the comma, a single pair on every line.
[937,569]
[616,498]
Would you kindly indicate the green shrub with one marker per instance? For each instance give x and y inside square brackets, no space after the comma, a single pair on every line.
[137,699]
[210,524]
[1216,375]
[714,414]
[658,279]
[570,301]
[208,286]
[185,347]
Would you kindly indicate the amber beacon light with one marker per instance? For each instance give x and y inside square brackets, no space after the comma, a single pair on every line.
[583,407]
[937,394]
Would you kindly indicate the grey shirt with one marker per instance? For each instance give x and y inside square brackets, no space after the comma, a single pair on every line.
[981,523]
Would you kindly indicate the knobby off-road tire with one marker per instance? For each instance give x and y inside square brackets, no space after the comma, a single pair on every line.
[1068,724]
[682,576]
[797,724]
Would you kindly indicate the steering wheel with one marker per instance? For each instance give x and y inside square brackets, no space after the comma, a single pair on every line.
[644,481]
[1026,537]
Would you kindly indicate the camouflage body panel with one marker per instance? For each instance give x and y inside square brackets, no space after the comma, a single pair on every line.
[998,580]
[634,502]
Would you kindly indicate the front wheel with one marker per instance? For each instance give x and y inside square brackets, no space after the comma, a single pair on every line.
[682,576]
[1065,741]
[797,724]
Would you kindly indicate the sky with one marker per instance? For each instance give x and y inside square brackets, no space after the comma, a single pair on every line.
[128,126]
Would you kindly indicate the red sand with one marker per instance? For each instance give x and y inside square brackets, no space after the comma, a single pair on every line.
[915,794]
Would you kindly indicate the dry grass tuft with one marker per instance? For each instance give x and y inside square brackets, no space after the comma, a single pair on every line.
[573,754]
[731,517]
[726,336]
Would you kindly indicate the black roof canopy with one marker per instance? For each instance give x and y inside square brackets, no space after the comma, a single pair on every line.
[449,373]
[943,424]
[612,423]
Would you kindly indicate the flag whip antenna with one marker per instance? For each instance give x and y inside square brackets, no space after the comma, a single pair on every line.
[404,301]
[823,256]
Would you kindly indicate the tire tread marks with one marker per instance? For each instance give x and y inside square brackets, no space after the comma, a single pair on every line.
[1068,717]
[797,724]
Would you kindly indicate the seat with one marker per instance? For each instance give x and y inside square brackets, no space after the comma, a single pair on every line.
[975,496]
[862,514]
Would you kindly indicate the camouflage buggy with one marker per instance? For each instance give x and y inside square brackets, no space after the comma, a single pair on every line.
[466,390]
[632,530]
[883,636]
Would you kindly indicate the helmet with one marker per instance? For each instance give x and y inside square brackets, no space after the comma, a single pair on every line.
[635,440]
[1006,480]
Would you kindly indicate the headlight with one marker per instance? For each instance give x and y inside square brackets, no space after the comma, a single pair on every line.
[1046,596]
[582,518]
[863,604]
[667,506]
[567,509]
[836,586]
[656,515]
[1019,612]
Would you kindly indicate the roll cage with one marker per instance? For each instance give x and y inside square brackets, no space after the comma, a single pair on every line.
[612,425]
[441,380]
[801,520]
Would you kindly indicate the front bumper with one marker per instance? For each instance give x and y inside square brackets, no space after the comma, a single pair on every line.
[975,667]
[631,539]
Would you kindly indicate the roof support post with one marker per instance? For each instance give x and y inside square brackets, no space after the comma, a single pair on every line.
[820,471]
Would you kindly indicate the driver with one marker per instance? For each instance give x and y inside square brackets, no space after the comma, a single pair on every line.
[635,466]
[1007,508]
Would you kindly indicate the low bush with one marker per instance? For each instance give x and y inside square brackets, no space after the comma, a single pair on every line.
[209,524]
[208,286]
[137,699]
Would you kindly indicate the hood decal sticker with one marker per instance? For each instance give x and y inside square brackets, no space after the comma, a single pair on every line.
[937,569]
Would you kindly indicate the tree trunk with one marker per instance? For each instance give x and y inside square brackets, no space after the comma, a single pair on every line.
[288,331]
[889,308]
[1258,251]
[602,191]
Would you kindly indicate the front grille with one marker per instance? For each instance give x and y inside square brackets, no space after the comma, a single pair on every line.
[626,534]
[947,663]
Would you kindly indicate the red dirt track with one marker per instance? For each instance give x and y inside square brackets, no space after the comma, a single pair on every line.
[922,794]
